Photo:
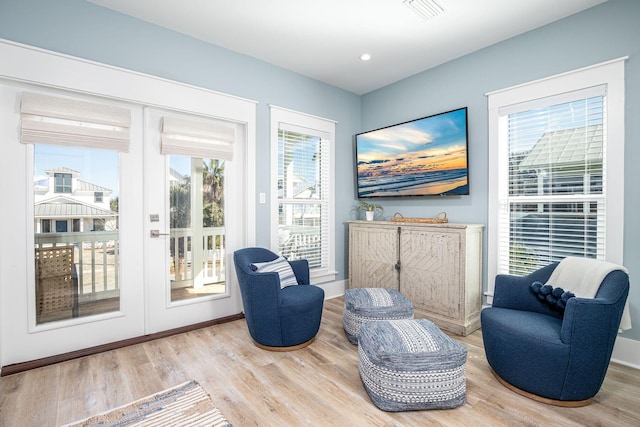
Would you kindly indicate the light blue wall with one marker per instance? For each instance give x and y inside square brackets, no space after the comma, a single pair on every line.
[605,32]
[608,31]
[82,29]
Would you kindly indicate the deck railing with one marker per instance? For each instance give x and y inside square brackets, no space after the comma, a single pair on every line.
[98,266]
[96,259]
[185,261]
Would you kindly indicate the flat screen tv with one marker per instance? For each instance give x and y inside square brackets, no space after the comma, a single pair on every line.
[422,157]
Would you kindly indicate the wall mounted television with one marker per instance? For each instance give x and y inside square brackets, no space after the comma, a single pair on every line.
[422,157]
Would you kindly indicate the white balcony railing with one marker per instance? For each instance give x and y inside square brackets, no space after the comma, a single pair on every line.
[185,261]
[97,259]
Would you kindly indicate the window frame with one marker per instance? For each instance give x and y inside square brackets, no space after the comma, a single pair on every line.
[316,126]
[611,75]
[62,226]
[99,224]
[63,187]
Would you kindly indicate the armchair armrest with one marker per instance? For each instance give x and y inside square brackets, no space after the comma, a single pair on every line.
[589,327]
[300,268]
[595,321]
[261,300]
[588,320]
[264,289]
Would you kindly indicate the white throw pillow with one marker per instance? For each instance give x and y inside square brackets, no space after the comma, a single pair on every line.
[281,266]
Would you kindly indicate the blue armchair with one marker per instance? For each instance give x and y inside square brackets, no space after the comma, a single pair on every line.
[553,356]
[279,319]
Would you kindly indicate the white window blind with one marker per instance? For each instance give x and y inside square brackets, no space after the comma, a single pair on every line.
[303,199]
[197,138]
[54,120]
[554,195]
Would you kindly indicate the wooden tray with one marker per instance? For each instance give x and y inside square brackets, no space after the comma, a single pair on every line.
[440,218]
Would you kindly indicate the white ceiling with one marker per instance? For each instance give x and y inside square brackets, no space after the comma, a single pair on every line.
[323,39]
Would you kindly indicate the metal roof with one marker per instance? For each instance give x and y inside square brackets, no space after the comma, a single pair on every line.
[567,147]
[70,210]
[87,186]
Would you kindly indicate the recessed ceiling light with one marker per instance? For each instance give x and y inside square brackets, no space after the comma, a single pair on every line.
[365,57]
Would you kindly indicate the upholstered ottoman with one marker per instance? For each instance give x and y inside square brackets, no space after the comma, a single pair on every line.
[369,304]
[410,365]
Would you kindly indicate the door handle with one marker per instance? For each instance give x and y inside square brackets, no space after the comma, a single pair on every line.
[156,233]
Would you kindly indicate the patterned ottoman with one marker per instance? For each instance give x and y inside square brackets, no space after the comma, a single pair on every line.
[367,304]
[410,364]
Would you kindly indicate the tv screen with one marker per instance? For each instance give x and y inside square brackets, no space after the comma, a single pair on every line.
[422,157]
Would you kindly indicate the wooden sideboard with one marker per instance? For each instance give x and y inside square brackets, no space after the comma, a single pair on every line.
[437,266]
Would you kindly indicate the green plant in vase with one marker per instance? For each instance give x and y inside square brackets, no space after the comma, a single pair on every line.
[369,209]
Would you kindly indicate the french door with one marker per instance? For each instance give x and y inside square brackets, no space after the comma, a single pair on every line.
[92,275]
[191,231]
[145,238]
[76,253]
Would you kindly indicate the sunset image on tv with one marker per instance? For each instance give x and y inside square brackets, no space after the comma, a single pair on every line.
[427,156]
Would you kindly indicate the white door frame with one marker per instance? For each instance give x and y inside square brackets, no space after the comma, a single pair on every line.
[24,64]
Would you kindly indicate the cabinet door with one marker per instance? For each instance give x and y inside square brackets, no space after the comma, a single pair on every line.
[430,273]
[373,253]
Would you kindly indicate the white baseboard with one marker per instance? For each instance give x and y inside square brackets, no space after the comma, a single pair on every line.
[626,352]
[333,289]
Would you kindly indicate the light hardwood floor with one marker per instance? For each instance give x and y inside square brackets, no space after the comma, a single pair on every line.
[316,386]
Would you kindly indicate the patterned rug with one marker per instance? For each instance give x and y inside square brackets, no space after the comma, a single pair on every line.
[185,405]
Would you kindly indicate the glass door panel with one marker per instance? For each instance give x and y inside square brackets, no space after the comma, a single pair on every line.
[76,232]
[197,233]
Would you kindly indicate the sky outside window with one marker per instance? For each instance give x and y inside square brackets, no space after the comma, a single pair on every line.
[99,167]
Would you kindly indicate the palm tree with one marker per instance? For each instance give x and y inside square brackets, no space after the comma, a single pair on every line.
[180,213]
[213,193]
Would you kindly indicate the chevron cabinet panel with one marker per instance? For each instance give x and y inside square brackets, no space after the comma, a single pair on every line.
[437,266]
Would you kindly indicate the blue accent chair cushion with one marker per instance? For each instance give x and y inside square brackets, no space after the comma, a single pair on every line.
[277,316]
[561,355]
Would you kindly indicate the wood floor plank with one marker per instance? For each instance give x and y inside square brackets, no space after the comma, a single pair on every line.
[315,386]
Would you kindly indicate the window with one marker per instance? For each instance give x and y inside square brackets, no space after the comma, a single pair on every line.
[303,190]
[62,182]
[98,224]
[97,196]
[76,225]
[45,225]
[61,226]
[557,170]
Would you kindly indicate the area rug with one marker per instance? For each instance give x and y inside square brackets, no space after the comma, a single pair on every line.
[185,405]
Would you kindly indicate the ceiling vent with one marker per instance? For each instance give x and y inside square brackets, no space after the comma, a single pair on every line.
[426,9]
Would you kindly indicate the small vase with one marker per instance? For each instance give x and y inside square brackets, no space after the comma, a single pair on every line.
[369,215]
